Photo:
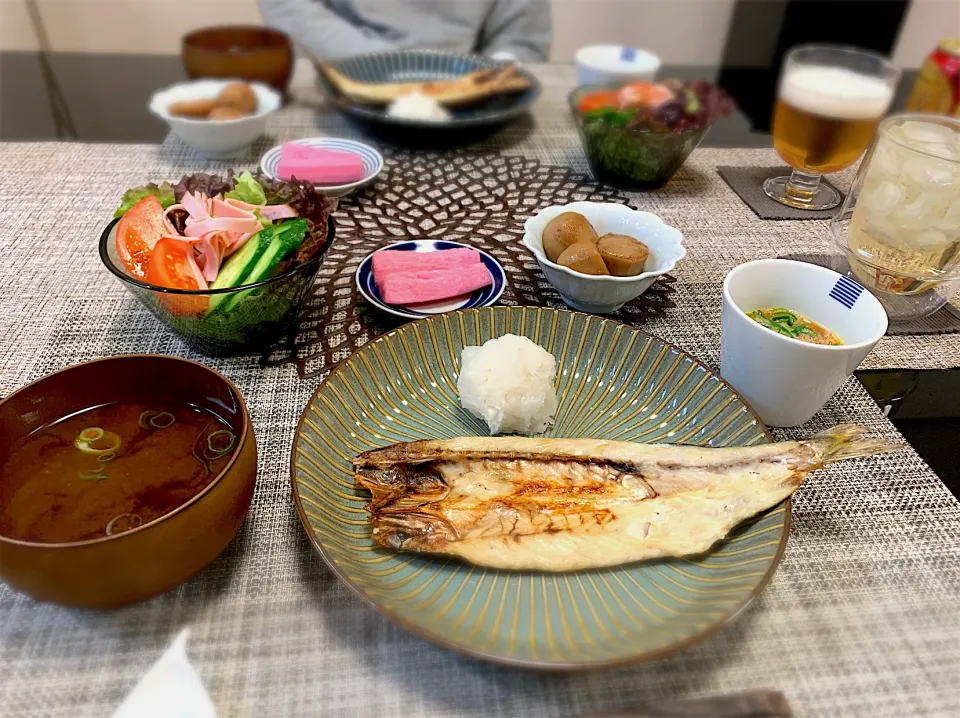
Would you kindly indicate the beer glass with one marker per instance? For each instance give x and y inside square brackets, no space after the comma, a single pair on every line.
[829,103]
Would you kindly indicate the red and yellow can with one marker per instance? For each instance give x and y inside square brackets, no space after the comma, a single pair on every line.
[937,88]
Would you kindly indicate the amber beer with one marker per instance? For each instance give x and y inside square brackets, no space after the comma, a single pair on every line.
[825,117]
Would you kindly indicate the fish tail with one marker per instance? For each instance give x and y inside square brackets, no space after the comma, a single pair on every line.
[845,442]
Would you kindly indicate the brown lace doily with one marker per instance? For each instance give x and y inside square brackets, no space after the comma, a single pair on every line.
[481,200]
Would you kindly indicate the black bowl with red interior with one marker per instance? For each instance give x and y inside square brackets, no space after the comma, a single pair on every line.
[637,136]
[224,262]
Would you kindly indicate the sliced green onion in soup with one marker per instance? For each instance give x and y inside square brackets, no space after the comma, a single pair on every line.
[162,419]
[94,440]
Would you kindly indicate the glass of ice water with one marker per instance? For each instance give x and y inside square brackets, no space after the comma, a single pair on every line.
[900,223]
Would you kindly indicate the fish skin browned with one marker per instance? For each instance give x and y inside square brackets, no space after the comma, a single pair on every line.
[452,92]
[569,504]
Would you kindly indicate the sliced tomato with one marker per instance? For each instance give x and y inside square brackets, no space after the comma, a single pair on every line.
[643,94]
[137,233]
[599,100]
[169,266]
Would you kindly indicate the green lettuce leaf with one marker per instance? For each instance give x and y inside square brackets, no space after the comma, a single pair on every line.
[163,192]
[247,189]
[309,205]
[264,222]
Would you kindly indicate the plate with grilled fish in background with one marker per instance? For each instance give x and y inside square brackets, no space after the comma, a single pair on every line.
[428,90]
[651,511]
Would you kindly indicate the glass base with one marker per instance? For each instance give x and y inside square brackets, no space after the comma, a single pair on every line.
[900,308]
[823,197]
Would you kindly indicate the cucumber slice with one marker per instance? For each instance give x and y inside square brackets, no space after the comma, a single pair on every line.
[285,239]
[238,266]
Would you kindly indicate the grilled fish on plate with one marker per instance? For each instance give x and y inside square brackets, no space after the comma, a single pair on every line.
[460,90]
[570,504]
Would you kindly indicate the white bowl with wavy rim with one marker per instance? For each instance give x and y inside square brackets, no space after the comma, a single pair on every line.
[605,294]
[215,139]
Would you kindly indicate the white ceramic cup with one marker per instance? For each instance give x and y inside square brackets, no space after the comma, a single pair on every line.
[787,381]
[615,65]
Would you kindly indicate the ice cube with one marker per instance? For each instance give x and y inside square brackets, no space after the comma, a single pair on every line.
[930,240]
[952,216]
[941,149]
[882,199]
[886,159]
[912,214]
[913,170]
[916,132]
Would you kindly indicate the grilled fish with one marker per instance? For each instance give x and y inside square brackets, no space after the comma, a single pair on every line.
[570,504]
[456,91]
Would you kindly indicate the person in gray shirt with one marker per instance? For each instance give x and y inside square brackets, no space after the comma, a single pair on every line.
[332,29]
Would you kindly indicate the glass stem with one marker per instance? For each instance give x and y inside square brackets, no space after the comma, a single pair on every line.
[802,186]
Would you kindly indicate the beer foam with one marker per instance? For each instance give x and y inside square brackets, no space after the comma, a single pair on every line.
[835,92]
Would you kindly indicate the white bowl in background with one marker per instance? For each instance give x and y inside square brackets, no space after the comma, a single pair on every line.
[787,381]
[615,65]
[215,139]
[606,294]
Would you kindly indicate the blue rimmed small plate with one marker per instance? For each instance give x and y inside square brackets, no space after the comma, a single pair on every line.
[480,298]
[372,162]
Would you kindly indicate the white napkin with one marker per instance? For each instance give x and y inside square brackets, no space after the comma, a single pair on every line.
[171,689]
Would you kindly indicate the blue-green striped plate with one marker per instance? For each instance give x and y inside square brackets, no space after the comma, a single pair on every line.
[613,382]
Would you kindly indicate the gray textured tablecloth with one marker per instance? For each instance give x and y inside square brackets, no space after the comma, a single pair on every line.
[861,619]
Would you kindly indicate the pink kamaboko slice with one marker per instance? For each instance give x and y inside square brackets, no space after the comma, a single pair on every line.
[388,261]
[416,287]
[319,165]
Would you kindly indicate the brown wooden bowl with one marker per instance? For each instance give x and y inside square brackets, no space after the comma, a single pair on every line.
[255,54]
[152,558]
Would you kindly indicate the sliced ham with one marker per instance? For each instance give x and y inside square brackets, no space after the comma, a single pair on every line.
[238,242]
[387,261]
[223,224]
[229,209]
[278,211]
[196,207]
[210,251]
[197,274]
[240,204]
[416,287]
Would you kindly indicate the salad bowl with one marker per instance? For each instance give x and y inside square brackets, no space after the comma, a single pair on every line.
[265,312]
[636,137]
[224,262]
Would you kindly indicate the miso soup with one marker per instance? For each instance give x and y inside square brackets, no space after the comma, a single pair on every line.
[793,325]
[109,469]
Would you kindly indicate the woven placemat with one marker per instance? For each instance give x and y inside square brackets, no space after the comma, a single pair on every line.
[477,199]
[945,320]
[859,621]
[747,182]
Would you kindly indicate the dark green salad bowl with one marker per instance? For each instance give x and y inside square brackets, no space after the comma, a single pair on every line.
[631,158]
[248,319]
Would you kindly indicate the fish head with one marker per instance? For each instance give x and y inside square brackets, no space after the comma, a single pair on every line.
[413,531]
[401,487]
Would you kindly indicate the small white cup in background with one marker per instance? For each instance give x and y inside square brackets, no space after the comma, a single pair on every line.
[615,65]
[785,380]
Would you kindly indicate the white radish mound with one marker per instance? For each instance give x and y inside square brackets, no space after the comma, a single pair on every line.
[508,382]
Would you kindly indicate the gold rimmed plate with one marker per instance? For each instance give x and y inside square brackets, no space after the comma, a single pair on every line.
[613,382]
